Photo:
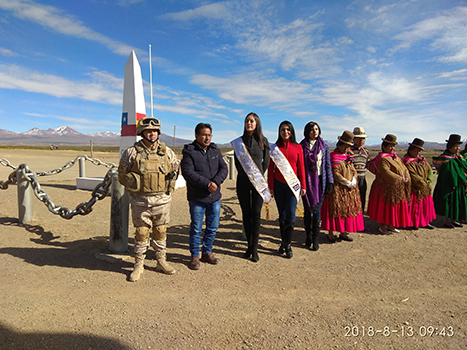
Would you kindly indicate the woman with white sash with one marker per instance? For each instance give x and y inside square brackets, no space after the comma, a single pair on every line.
[251,160]
[286,164]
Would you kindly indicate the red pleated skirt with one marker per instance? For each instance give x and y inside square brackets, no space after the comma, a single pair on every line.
[422,212]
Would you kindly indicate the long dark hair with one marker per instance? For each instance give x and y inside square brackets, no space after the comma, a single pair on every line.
[308,127]
[279,141]
[258,132]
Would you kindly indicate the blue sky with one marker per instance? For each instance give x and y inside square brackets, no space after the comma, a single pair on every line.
[390,66]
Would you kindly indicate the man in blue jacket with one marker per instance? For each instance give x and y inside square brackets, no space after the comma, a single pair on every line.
[204,170]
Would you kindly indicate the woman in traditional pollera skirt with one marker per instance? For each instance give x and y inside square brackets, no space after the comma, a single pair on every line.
[342,208]
[422,208]
[389,196]
[450,191]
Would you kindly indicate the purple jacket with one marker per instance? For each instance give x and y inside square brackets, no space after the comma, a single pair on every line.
[314,193]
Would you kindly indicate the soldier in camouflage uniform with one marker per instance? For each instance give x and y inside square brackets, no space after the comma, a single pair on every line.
[148,171]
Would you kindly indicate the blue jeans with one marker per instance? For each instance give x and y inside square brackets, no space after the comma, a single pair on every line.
[285,200]
[198,211]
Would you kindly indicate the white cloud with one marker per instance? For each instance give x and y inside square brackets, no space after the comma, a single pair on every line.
[128,2]
[454,74]
[55,19]
[261,36]
[20,78]
[8,53]
[253,89]
[217,10]
[447,33]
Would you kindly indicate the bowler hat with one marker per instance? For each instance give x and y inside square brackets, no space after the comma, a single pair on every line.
[390,138]
[358,131]
[454,138]
[417,143]
[347,138]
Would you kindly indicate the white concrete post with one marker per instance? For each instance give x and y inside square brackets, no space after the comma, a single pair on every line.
[25,196]
[119,217]
[82,167]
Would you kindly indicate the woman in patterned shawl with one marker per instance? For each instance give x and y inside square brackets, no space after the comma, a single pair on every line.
[342,208]
[319,180]
[422,209]
[389,196]
[450,190]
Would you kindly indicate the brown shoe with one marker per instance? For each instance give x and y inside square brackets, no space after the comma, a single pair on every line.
[194,263]
[209,258]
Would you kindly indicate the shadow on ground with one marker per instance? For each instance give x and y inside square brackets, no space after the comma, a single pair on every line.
[11,340]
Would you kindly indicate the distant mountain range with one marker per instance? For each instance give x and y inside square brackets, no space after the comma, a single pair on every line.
[65,135]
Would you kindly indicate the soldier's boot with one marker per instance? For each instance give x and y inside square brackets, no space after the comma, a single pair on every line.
[141,247]
[138,269]
[162,264]
[159,243]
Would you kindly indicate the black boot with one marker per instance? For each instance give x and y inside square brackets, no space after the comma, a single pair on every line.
[307,224]
[288,229]
[254,246]
[308,239]
[247,254]
[315,230]
[282,247]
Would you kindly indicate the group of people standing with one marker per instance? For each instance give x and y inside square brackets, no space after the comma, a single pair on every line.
[332,186]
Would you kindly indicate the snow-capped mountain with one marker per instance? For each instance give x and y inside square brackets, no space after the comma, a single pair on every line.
[65,135]
[106,134]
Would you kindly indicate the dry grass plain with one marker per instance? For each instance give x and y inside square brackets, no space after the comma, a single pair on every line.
[403,291]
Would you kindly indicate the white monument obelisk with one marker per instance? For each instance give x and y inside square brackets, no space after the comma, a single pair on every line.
[133,102]
[133,110]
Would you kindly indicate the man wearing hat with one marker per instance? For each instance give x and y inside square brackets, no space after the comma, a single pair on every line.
[148,171]
[450,191]
[360,156]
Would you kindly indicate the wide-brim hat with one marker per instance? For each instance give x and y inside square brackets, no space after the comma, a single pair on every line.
[390,138]
[417,143]
[358,131]
[347,138]
[454,138]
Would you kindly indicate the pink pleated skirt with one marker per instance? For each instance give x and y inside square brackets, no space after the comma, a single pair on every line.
[385,213]
[421,212]
[351,224]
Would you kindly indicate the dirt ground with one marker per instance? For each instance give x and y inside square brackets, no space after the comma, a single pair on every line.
[403,291]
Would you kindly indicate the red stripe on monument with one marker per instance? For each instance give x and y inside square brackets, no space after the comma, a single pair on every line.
[128,130]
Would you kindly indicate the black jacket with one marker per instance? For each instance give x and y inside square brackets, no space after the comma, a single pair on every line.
[199,168]
[259,156]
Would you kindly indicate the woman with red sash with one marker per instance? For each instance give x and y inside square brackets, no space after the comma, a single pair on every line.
[342,208]
[422,208]
[286,199]
[389,196]
[450,195]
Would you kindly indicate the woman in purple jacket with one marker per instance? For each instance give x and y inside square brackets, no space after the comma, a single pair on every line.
[319,180]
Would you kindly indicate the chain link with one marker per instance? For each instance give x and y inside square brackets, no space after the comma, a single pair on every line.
[94,161]
[100,191]
[5,162]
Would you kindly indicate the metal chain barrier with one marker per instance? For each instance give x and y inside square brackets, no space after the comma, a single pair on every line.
[11,178]
[99,192]
[72,162]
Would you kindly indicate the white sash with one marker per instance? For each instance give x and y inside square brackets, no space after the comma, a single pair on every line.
[286,170]
[251,169]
